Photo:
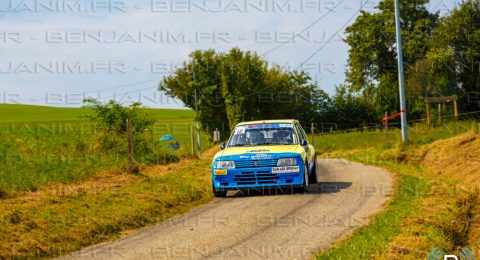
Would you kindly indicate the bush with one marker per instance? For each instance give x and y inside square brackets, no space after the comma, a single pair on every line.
[111,136]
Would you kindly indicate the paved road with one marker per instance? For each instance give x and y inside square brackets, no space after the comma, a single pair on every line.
[277,226]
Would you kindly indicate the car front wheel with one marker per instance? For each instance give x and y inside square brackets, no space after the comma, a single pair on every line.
[313,175]
[218,193]
[305,179]
[304,187]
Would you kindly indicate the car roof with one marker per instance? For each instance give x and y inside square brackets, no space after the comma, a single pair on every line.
[292,121]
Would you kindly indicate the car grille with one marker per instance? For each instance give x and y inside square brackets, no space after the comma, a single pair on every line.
[251,163]
[255,177]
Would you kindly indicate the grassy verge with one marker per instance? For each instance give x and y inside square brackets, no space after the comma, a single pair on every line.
[419,134]
[369,240]
[44,145]
[99,209]
[430,208]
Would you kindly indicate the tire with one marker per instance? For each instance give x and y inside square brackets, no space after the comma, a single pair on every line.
[219,193]
[306,181]
[304,187]
[313,175]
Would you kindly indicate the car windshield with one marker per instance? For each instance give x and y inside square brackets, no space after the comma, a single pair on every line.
[263,134]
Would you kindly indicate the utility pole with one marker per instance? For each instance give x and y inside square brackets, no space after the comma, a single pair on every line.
[401,79]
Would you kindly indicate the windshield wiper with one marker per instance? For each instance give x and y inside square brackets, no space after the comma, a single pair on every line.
[275,144]
[233,145]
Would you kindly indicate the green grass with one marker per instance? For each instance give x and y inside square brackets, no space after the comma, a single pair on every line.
[418,134]
[422,214]
[42,145]
[371,240]
[26,113]
[65,219]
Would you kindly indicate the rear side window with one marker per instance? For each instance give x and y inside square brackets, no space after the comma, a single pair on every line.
[301,133]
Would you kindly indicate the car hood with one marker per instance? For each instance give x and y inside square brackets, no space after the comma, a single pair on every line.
[270,149]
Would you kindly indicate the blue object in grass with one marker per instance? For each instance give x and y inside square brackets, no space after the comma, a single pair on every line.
[167,138]
[173,144]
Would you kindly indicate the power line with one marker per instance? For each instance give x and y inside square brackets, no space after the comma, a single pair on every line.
[124,86]
[317,51]
[329,40]
[305,29]
[129,92]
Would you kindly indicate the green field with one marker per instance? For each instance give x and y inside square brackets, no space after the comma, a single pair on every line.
[41,145]
[28,113]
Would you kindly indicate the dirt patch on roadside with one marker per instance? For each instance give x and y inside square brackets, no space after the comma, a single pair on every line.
[60,218]
[457,158]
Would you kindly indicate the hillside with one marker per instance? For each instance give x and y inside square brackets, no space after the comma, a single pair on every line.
[26,113]
[457,158]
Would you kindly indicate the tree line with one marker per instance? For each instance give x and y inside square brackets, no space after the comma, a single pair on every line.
[441,58]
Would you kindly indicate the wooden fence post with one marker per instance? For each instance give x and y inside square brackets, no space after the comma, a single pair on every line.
[386,126]
[439,108]
[199,141]
[429,116]
[216,135]
[192,139]
[313,133]
[131,155]
[455,107]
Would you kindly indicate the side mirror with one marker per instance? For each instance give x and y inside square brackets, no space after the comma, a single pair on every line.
[223,146]
[304,142]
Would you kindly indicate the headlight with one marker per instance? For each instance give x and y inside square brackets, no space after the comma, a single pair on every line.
[287,161]
[225,164]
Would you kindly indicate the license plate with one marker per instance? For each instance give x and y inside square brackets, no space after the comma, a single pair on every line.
[286,169]
[220,172]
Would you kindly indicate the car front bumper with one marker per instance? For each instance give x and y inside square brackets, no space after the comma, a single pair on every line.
[258,177]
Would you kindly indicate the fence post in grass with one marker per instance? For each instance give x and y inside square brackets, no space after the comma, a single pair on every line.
[455,107]
[199,141]
[439,107]
[313,133]
[429,116]
[386,126]
[130,146]
[216,135]
[192,139]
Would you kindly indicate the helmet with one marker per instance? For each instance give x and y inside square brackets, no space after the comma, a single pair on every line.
[253,137]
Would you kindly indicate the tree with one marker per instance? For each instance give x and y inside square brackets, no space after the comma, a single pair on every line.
[237,86]
[243,74]
[198,84]
[455,52]
[349,110]
[372,64]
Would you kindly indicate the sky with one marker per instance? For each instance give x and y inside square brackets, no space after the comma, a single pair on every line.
[58,52]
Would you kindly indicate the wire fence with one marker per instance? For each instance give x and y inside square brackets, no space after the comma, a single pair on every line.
[331,128]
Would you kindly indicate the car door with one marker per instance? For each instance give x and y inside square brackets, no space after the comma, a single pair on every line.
[310,152]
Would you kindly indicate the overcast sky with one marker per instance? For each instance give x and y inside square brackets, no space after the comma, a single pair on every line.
[56,52]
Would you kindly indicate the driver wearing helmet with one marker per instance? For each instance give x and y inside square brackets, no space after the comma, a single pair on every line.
[283,136]
[254,137]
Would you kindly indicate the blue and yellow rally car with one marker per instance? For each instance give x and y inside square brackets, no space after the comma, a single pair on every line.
[264,154]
